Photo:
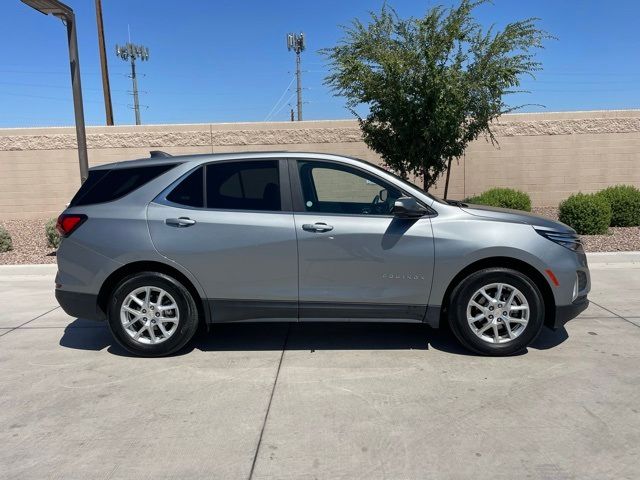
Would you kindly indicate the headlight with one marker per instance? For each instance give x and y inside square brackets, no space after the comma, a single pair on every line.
[568,240]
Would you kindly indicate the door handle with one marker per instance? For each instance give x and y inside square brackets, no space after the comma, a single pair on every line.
[317,227]
[180,222]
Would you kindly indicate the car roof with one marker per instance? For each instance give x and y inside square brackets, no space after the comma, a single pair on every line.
[208,157]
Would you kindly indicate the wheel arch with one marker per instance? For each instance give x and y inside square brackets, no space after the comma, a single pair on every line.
[504,262]
[150,266]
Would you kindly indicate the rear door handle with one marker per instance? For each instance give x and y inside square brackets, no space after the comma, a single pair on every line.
[317,227]
[180,222]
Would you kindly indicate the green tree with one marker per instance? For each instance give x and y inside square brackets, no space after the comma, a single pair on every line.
[430,85]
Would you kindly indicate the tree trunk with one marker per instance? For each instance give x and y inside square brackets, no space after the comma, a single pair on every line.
[425,182]
[446,182]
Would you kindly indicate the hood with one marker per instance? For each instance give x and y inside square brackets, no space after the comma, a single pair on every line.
[515,216]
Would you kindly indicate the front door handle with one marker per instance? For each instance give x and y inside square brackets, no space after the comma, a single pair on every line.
[180,222]
[317,227]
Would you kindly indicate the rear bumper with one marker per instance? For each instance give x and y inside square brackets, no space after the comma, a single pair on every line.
[564,313]
[80,305]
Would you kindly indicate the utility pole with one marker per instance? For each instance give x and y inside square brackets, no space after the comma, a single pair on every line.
[103,64]
[132,52]
[296,43]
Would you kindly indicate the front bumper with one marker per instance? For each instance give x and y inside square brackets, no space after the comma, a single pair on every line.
[80,305]
[564,313]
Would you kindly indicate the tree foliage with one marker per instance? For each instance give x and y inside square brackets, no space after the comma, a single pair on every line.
[432,84]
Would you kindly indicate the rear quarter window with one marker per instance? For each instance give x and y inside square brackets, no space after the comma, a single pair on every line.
[190,191]
[107,185]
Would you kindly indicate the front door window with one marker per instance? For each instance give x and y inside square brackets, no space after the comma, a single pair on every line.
[339,189]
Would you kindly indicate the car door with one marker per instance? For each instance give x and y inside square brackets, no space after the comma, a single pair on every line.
[357,261]
[230,224]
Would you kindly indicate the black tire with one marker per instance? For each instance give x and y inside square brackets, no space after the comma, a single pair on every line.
[188,314]
[461,296]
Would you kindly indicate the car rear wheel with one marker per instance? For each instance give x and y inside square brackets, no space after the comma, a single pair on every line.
[152,314]
[496,311]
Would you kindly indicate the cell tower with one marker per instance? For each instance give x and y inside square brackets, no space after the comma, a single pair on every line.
[131,52]
[295,42]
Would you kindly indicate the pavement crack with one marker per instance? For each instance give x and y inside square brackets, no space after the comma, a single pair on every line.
[614,313]
[28,321]
[266,415]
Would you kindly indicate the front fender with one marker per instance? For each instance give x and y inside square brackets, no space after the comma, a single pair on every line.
[460,242]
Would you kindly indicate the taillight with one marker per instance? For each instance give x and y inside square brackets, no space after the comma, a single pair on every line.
[68,222]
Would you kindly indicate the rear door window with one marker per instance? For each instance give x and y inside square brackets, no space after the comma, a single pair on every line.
[107,185]
[245,185]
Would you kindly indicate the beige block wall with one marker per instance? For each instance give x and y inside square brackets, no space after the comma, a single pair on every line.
[548,155]
[549,168]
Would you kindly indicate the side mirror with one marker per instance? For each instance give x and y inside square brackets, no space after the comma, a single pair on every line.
[408,207]
[383,195]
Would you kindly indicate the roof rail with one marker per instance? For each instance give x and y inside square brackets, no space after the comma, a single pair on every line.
[159,154]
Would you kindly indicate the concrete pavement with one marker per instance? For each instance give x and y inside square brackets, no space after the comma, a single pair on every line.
[276,401]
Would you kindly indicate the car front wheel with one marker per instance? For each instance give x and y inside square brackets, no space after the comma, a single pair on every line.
[496,311]
[152,314]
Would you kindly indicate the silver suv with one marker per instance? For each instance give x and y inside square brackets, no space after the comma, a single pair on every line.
[158,245]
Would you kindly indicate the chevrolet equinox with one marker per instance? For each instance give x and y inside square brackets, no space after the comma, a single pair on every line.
[158,245]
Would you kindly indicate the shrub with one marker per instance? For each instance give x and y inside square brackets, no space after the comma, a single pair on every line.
[586,214]
[5,240]
[503,198]
[625,205]
[53,237]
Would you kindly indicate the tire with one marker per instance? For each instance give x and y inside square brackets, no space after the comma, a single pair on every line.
[524,318]
[170,321]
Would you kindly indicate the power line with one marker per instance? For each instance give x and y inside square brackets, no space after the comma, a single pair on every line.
[285,104]
[43,85]
[42,97]
[279,99]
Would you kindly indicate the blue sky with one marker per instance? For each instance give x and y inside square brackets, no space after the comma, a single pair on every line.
[226,61]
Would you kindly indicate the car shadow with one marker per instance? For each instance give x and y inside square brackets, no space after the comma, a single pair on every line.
[301,336]
[549,338]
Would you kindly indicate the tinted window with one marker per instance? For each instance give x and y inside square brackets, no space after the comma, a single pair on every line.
[94,177]
[190,191]
[333,188]
[243,185]
[108,185]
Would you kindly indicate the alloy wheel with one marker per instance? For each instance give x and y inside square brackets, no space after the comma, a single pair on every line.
[149,315]
[498,313]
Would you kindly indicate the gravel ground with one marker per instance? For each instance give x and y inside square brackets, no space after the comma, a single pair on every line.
[619,239]
[30,244]
[551,212]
